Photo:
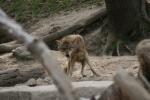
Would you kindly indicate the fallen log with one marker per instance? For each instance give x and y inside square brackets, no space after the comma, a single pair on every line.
[8,47]
[81,24]
[4,38]
[15,76]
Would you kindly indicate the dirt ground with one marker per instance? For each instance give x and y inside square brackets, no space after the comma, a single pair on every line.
[106,66]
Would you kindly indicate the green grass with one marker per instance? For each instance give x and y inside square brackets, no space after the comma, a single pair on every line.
[30,10]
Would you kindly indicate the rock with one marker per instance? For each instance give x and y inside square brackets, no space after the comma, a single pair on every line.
[21,53]
[40,81]
[31,82]
[85,89]
[48,80]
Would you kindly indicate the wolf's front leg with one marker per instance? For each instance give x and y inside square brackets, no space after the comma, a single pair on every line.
[82,69]
[70,67]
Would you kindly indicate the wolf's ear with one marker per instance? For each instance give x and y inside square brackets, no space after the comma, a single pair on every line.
[58,42]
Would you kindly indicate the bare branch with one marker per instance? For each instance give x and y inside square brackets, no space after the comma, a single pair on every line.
[37,47]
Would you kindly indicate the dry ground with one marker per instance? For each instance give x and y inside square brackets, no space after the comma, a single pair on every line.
[106,66]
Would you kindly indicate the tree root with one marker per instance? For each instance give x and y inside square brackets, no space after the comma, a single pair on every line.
[129,49]
[118,45]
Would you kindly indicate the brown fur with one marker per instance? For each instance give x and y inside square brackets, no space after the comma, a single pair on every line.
[73,47]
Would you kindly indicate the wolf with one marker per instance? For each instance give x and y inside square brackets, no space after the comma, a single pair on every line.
[73,47]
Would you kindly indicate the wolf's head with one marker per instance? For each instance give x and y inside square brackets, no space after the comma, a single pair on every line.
[64,47]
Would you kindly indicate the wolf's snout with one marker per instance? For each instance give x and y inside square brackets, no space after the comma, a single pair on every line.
[67,55]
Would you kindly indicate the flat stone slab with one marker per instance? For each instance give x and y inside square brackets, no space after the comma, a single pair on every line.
[84,89]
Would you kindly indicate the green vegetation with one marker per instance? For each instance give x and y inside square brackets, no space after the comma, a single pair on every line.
[31,10]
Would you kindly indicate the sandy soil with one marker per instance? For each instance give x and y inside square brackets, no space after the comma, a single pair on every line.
[105,66]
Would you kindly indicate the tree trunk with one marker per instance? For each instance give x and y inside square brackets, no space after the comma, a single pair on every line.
[122,15]
[126,20]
